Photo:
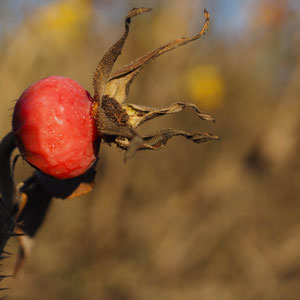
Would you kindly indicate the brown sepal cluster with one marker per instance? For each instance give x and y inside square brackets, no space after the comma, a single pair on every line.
[117,120]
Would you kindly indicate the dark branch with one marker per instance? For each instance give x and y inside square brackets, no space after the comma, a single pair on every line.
[8,201]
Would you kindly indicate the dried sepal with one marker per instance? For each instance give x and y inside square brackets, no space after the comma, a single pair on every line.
[118,85]
[37,191]
[83,189]
[102,73]
[157,140]
[36,194]
[139,114]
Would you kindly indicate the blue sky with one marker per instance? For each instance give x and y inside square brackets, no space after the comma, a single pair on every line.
[229,12]
[230,17]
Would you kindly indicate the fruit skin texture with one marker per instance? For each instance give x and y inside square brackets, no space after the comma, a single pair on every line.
[54,127]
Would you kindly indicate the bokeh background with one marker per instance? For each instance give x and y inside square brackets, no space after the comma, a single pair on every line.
[213,221]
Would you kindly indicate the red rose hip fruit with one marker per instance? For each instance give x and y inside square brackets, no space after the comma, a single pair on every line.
[54,128]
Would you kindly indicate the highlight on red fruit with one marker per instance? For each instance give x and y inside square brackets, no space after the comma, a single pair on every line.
[54,127]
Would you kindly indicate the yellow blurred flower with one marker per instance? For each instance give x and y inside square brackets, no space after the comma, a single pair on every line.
[50,30]
[64,19]
[205,86]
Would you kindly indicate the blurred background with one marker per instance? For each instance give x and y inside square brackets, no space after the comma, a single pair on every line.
[219,220]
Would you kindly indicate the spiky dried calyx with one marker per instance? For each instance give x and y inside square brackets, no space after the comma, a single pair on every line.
[115,87]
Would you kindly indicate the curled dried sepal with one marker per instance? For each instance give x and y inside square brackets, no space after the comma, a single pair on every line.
[139,114]
[157,140]
[118,85]
[102,73]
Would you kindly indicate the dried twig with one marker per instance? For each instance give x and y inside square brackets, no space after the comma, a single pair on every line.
[8,201]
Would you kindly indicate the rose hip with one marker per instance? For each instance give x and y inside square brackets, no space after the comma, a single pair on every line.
[54,128]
